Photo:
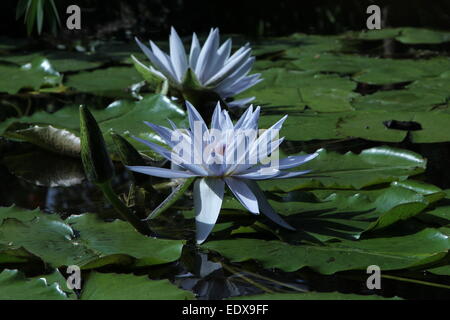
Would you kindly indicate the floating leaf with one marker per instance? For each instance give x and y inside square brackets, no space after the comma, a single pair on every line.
[389,253]
[16,287]
[372,166]
[111,82]
[123,117]
[323,215]
[100,243]
[34,75]
[425,36]
[112,286]
[48,137]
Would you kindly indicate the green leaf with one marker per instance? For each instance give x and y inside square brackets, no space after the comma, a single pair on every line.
[425,36]
[323,215]
[110,82]
[99,243]
[54,139]
[16,287]
[96,161]
[398,100]
[389,71]
[34,75]
[123,117]
[112,286]
[370,167]
[389,253]
[119,238]
[322,93]
[176,194]
[152,78]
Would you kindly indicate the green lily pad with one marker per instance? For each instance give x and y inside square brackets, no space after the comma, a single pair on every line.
[398,100]
[60,60]
[389,253]
[322,93]
[330,62]
[440,213]
[389,71]
[119,238]
[32,76]
[112,286]
[375,34]
[372,125]
[305,126]
[16,287]
[423,36]
[100,243]
[123,117]
[321,216]
[370,167]
[110,82]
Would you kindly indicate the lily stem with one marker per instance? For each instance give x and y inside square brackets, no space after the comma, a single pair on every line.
[123,210]
[274,281]
[426,283]
[240,275]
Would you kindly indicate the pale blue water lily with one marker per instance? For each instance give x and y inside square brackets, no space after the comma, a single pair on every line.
[221,156]
[212,66]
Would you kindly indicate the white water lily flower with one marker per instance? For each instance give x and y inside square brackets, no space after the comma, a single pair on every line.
[211,67]
[223,155]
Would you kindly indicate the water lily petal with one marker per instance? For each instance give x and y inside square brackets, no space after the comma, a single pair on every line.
[165,60]
[207,56]
[243,193]
[177,55]
[155,147]
[260,173]
[195,51]
[165,133]
[241,102]
[229,67]
[294,161]
[208,196]
[286,175]
[242,85]
[162,172]
[239,73]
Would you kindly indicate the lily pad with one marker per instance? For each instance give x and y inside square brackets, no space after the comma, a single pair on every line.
[123,117]
[370,167]
[32,76]
[423,36]
[16,287]
[110,82]
[111,286]
[389,253]
[323,93]
[324,215]
[99,243]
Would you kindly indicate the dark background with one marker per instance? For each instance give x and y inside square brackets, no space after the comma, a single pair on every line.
[123,19]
